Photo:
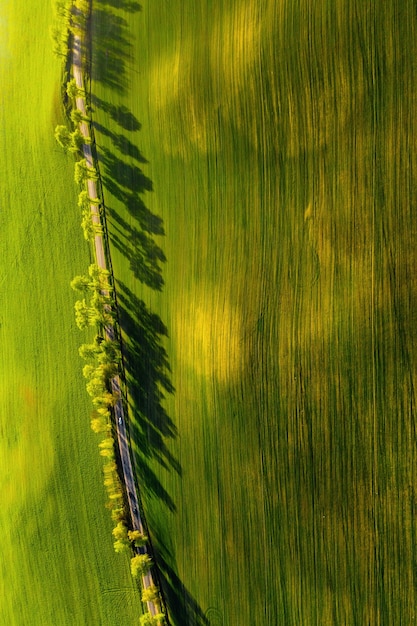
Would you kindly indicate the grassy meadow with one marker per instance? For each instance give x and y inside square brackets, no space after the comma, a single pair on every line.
[57,564]
[259,163]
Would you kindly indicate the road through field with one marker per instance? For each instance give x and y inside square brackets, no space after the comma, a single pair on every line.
[123,442]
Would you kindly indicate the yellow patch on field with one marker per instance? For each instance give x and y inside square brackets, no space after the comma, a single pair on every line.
[26,447]
[208,334]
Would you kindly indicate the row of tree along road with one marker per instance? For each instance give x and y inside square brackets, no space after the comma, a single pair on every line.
[96,307]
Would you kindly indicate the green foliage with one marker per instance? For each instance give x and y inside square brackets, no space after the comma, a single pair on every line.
[59,32]
[137,538]
[77,140]
[87,225]
[83,317]
[80,283]
[99,424]
[120,531]
[118,514]
[81,172]
[121,546]
[107,443]
[109,352]
[72,90]
[140,565]
[63,136]
[83,199]
[88,351]
[76,116]
[147,619]
[150,594]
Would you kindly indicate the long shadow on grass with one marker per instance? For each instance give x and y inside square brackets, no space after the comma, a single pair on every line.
[182,606]
[148,380]
[130,6]
[112,47]
[146,363]
[121,176]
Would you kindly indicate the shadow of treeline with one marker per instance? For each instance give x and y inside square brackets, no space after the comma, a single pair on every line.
[148,379]
[127,183]
[143,254]
[132,232]
[119,114]
[183,607]
[130,6]
[112,46]
[122,143]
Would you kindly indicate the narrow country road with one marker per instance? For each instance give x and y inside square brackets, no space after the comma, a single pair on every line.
[115,383]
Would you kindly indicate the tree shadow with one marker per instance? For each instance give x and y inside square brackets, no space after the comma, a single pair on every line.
[119,114]
[112,47]
[130,6]
[143,254]
[148,379]
[145,360]
[122,143]
[182,606]
[128,176]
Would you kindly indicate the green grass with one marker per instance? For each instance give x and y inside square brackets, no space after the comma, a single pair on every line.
[57,562]
[278,474]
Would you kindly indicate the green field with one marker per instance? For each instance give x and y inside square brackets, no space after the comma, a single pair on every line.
[57,564]
[276,141]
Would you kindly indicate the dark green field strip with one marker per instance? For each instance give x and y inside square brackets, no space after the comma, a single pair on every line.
[281,147]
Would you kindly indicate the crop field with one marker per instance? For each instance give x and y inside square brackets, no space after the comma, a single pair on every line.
[259,165]
[57,564]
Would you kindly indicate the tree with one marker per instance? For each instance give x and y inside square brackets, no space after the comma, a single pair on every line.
[120,531]
[108,454]
[63,136]
[88,351]
[150,594]
[87,225]
[77,140]
[80,171]
[118,514]
[72,90]
[148,620]
[140,565]
[83,6]
[76,116]
[89,371]
[110,370]
[120,546]
[82,314]
[99,276]
[99,424]
[107,444]
[105,400]
[59,37]
[137,538]
[109,352]
[109,467]
[95,387]
[83,199]
[80,283]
